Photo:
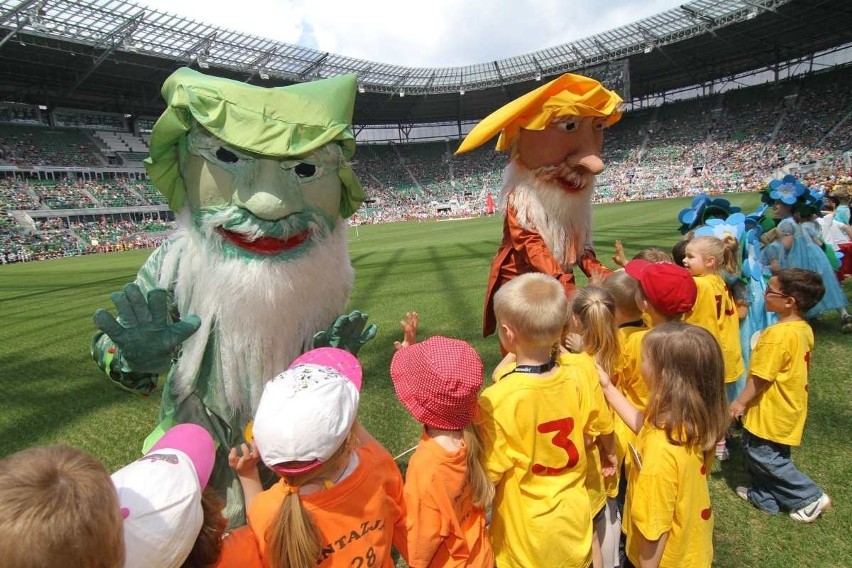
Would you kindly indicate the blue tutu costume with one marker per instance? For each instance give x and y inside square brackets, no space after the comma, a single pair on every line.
[805,253]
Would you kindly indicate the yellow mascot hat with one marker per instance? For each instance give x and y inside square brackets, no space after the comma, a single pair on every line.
[567,95]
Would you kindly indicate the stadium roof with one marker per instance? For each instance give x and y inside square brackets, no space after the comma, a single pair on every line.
[113,55]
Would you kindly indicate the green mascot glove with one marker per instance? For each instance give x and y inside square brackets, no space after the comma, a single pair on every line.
[145,338]
[347,332]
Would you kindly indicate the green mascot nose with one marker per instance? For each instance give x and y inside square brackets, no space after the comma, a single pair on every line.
[273,194]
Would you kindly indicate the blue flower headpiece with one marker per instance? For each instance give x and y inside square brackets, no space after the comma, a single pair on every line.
[703,208]
[733,226]
[786,190]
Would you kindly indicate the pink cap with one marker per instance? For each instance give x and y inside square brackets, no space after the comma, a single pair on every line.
[343,361]
[196,443]
[306,413]
[160,496]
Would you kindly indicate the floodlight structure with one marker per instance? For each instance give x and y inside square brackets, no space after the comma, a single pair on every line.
[259,66]
[668,52]
[25,14]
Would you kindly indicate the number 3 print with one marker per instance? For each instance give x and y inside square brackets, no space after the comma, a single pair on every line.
[562,428]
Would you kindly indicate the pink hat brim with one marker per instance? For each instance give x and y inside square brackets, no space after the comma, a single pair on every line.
[281,470]
[195,442]
[340,360]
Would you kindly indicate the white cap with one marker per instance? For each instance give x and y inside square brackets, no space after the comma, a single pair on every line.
[305,413]
[160,496]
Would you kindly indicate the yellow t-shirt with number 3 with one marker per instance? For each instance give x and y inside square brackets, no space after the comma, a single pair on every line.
[533,445]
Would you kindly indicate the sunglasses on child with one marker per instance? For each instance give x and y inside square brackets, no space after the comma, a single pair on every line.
[771,292]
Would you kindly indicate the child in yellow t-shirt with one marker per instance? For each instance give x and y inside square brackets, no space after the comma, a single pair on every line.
[774,403]
[715,309]
[668,518]
[594,332]
[665,293]
[533,421]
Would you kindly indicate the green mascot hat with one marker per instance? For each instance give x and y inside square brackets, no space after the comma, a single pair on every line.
[280,122]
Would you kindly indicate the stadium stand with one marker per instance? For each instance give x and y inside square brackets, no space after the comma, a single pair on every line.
[29,145]
[731,141]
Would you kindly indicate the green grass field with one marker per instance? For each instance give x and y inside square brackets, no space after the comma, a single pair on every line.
[51,391]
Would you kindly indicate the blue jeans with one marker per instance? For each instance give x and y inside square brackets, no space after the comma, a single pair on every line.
[775,481]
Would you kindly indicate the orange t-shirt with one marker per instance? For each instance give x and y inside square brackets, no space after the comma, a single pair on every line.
[239,550]
[445,528]
[358,519]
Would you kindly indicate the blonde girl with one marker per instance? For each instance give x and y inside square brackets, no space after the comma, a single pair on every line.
[446,487]
[339,500]
[668,518]
[595,337]
[715,309]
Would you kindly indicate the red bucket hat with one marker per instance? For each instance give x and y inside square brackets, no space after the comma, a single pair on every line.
[437,381]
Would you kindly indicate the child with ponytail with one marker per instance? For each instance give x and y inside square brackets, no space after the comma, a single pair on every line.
[592,319]
[446,488]
[715,309]
[339,501]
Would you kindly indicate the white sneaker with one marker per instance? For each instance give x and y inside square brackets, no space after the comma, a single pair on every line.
[742,492]
[810,513]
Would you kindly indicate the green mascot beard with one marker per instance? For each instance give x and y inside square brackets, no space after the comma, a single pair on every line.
[260,311]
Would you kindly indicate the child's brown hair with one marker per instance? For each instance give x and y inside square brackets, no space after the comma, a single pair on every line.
[58,507]
[687,398]
[804,286]
[679,251]
[208,546]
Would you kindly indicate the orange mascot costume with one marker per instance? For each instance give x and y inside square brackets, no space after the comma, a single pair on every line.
[554,136]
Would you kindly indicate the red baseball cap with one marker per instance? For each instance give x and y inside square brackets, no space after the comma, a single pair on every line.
[438,381]
[668,287]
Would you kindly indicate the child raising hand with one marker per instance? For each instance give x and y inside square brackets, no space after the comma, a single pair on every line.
[446,489]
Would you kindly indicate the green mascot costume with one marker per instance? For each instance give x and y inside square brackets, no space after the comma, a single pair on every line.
[258,271]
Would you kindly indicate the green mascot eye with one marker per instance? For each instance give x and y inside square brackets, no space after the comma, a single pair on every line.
[225,155]
[304,170]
